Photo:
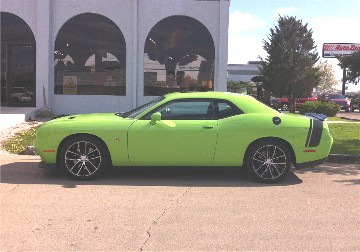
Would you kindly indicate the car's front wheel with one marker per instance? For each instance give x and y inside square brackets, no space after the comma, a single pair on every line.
[268,161]
[84,157]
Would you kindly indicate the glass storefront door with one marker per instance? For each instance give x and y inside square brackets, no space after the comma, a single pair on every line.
[18,75]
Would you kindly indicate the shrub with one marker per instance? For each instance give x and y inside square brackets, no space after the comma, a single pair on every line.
[327,108]
[18,143]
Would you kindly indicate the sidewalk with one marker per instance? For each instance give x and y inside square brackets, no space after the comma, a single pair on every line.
[350,115]
[11,116]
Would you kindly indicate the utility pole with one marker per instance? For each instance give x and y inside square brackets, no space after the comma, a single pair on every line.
[343,81]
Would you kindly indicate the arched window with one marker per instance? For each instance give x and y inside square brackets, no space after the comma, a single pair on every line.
[17,62]
[90,57]
[179,55]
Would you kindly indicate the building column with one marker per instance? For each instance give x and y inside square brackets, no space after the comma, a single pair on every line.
[134,59]
[222,47]
[44,54]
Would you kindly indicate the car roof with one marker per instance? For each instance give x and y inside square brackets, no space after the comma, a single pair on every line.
[246,103]
[207,94]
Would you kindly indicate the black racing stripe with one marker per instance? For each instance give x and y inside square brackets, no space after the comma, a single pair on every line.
[316,134]
[309,133]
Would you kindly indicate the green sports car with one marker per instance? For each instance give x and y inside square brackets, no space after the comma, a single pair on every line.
[186,129]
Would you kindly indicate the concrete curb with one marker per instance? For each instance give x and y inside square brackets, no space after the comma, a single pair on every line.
[343,159]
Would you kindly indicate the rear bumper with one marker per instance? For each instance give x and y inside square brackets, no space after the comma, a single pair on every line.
[310,164]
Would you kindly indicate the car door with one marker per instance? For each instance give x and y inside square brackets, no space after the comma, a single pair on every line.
[185,135]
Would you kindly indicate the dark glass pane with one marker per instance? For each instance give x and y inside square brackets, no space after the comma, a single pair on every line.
[179,56]
[90,57]
[15,30]
[21,74]
[3,74]
[187,109]
[17,62]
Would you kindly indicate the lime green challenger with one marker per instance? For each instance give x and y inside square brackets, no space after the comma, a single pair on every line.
[186,129]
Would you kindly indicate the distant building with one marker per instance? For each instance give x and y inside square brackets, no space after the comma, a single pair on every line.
[244,72]
[113,55]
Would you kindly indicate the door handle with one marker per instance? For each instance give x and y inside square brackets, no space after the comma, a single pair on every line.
[208,126]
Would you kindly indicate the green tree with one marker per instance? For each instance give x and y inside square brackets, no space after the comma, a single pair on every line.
[352,65]
[236,86]
[328,80]
[289,68]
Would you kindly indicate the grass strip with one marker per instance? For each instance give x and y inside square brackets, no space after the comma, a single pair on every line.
[346,138]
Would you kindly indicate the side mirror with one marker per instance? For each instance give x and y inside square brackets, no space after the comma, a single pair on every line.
[155,118]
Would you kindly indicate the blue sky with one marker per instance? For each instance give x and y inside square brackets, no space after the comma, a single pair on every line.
[331,21]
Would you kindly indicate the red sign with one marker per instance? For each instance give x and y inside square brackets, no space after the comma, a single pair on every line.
[341,49]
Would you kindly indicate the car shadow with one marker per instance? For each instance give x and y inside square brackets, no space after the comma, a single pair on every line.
[29,173]
[333,169]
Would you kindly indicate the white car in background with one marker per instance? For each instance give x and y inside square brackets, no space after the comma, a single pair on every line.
[21,94]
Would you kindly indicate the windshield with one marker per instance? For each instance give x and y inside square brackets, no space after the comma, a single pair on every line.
[137,111]
[336,96]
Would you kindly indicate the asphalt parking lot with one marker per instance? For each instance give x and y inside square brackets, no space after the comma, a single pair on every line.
[177,208]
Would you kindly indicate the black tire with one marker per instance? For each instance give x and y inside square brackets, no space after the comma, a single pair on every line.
[84,157]
[268,161]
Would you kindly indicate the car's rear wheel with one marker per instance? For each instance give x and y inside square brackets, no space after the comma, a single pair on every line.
[84,157]
[268,161]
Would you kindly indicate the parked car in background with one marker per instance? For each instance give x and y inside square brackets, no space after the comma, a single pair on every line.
[280,103]
[305,99]
[21,94]
[338,99]
[355,103]
[283,103]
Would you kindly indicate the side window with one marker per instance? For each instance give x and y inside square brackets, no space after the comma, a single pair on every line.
[196,109]
[185,110]
[225,109]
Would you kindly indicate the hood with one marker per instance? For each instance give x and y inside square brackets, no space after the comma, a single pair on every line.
[98,117]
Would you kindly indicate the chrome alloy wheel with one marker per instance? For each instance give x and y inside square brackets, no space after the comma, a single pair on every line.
[269,162]
[82,159]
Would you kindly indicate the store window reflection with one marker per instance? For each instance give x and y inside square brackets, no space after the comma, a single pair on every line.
[90,57]
[18,62]
[179,56]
